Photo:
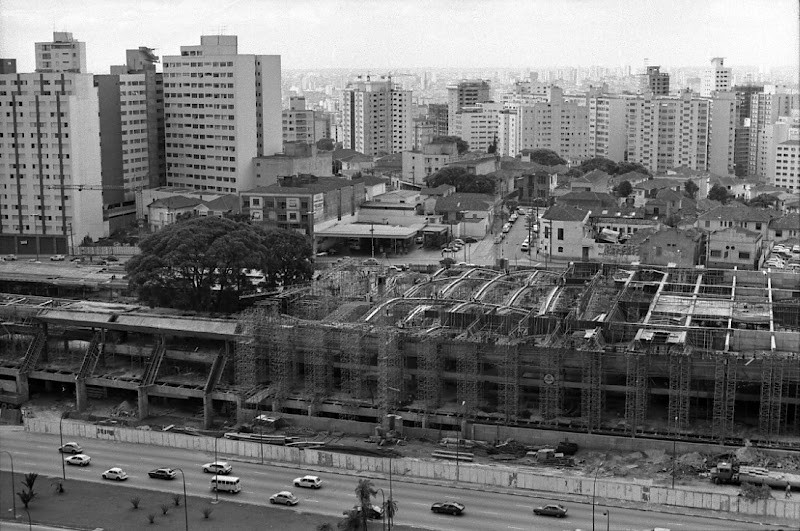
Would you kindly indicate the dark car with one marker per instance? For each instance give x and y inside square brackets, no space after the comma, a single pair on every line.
[375,512]
[453,508]
[162,473]
[559,511]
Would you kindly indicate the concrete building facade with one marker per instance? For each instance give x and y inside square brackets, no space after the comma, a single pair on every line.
[299,124]
[297,158]
[717,79]
[222,109]
[376,116]
[62,54]
[765,109]
[465,93]
[786,169]
[655,82]
[607,126]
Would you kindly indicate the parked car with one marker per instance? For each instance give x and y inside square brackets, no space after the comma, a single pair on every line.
[78,460]
[371,262]
[308,482]
[375,512]
[506,228]
[284,498]
[116,473]
[498,239]
[162,473]
[470,239]
[218,467]
[419,240]
[513,217]
[558,511]
[57,258]
[450,507]
[70,448]
[112,259]
[10,257]
[458,241]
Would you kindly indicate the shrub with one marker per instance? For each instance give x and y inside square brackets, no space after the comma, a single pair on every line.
[207,511]
[151,518]
[751,491]
[176,498]
[58,485]
[164,508]
[135,501]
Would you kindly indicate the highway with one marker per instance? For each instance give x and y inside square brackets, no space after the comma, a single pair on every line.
[484,510]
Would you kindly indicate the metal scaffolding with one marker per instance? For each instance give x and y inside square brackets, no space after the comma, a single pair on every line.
[351,352]
[592,390]
[468,368]
[508,372]
[635,390]
[551,391]
[724,396]
[430,367]
[769,418]
[390,371]
[316,359]
[680,369]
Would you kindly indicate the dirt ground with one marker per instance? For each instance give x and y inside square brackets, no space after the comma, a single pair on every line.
[652,467]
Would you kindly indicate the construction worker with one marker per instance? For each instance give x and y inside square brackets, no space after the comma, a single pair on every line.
[788,491]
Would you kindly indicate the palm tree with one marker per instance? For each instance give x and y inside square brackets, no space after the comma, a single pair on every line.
[390,510]
[365,490]
[351,521]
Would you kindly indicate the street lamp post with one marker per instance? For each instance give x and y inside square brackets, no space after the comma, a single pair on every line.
[185,500]
[61,436]
[390,493]
[372,237]
[216,490]
[13,498]
[607,514]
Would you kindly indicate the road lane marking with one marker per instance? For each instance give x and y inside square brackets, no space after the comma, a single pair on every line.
[512,527]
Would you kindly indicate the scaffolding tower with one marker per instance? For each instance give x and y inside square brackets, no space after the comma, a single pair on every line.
[317,363]
[724,395]
[680,370]
[468,368]
[390,371]
[282,360]
[769,418]
[592,390]
[635,390]
[551,392]
[350,348]
[508,372]
[430,367]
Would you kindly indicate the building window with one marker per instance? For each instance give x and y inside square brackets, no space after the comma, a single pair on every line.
[716,254]
[744,256]
[560,234]
[658,251]
[560,249]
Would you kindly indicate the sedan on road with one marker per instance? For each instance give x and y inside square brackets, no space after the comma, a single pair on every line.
[559,511]
[78,460]
[284,498]
[218,467]
[70,448]
[57,258]
[453,508]
[375,512]
[116,473]
[309,482]
[162,473]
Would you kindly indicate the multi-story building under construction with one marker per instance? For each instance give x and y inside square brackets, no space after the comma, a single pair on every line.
[600,348]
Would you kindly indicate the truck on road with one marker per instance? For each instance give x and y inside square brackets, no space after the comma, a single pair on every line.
[732,473]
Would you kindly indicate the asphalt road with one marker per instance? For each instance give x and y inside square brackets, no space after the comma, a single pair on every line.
[485,510]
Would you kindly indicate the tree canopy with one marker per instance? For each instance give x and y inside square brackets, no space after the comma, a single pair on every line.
[624,189]
[690,189]
[463,180]
[461,145]
[719,193]
[325,144]
[609,166]
[200,263]
[546,157]
[764,201]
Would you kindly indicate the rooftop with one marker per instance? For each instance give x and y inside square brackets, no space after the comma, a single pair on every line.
[321,185]
[565,213]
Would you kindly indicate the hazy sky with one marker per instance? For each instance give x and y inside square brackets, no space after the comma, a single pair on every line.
[421,33]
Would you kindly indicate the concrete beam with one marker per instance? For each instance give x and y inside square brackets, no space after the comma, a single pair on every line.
[771,314]
[654,302]
[730,316]
[695,293]
[208,411]
[23,387]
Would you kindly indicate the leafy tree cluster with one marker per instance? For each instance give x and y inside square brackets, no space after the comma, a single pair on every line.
[764,201]
[690,189]
[623,189]
[719,193]
[546,157]
[608,166]
[463,180]
[461,145]
[198,263]
[325,144]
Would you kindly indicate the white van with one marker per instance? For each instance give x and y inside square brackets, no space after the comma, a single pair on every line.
[226,484]
[524,247]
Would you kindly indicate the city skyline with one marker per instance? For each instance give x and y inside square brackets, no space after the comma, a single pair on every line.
[309,34]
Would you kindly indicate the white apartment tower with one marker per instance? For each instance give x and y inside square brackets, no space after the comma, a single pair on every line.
[221,109]
[478,125]
[786,170]
[465,93]
[765,109]
[722,133]
[63,54]
[299,123]
[607,130]
[376,116]
[716,79]
[784,129]
[49,162]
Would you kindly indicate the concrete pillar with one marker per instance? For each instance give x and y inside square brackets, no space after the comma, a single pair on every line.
[312,410]
[48,386]
[276,405]
[144,403]
[43,354]
[208,411]
[240,413]
[22,387]
[81,397]
[425,421]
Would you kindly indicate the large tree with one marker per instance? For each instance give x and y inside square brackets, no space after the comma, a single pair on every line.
[365,491]
[624,189]
[626,167]
[463,180]
[719,193]
[599,163]
[461,145]
[199,263]
[690,188]
[546,157]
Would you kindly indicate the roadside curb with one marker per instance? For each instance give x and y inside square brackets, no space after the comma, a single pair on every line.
[577,498]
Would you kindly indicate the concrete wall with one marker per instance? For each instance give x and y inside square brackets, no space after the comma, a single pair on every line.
[492,475]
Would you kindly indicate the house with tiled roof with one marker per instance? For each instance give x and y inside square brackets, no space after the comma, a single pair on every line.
[167,210]
[595,181]
[736,214]
[565,233]
[475,211]
[672,246]
[587,200]
[649,189]
[734,247]
[625,220]
[785,228]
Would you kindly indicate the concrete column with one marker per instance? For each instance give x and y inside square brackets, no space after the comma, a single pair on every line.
[43,355]
[48,386]
[425,421]
[276,405]
[312,410]
[240,413]
[81,397]
[208,411]
[22,387]
[144,402]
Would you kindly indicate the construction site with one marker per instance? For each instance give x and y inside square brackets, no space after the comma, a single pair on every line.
[629,350]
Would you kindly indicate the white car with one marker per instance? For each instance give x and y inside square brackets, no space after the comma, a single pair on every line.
[70,448]
[218,467]
[116,473]
[308,482]
[506,228]
[284,498]
[512,218]
[57,258]
[78,460]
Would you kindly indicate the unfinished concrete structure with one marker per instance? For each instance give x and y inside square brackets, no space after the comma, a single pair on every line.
[645,351]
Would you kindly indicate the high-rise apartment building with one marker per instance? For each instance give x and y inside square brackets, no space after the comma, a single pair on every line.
[465,93]
[50,162]
[655,82]
[721,133]
[607,135]
[741,149]
[221,109]
[765,109]
[666,132]
[63,54]
[8,66]
[298,122]
[477,125]
[555,124]
[784,129]
[786,169]
[132,126]
[377,116]
[438,117]
[717,79]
